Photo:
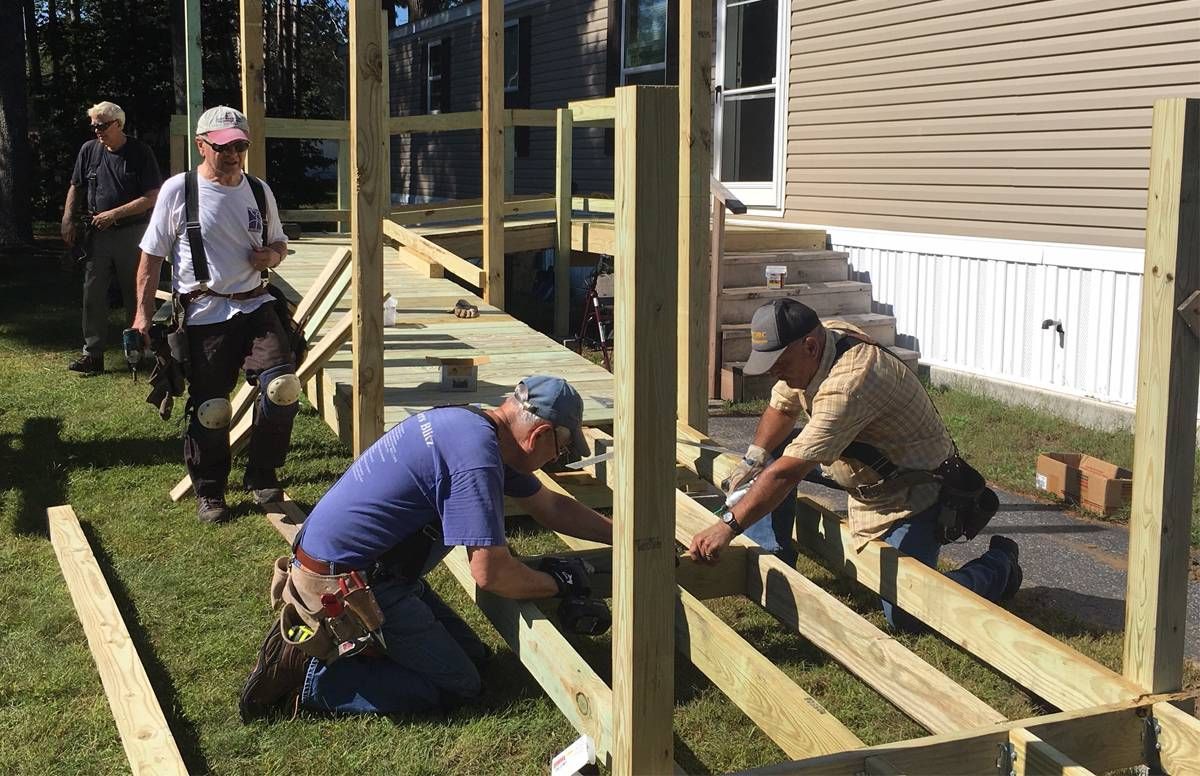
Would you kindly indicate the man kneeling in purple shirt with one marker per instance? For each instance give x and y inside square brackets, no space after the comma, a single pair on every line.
[435,481]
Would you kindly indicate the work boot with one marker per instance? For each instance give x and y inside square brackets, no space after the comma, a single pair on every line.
[212,509]
[276,680]
[87,365]
[263,485]
[1015,575]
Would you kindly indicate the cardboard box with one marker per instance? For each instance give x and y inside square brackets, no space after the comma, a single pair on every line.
[459,374]
[1094,483]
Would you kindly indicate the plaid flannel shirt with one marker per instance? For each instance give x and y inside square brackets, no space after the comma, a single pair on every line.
[871,397]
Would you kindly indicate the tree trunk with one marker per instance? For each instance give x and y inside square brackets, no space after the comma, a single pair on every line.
[54,42]
[179,55]
[16,225]
[35,54]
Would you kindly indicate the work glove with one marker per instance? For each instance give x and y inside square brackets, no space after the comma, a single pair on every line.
[464,309]
[751,465]
[570,574]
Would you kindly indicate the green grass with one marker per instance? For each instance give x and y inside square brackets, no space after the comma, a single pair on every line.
[194,599]
[1004,441]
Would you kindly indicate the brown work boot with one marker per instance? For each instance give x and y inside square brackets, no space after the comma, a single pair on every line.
[87,365]
[212,509]
[276,680]
[263,485]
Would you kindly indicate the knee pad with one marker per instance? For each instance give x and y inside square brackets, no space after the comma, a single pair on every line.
[278,394]
[214,414]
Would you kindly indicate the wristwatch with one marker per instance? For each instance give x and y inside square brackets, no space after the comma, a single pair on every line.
[728,520]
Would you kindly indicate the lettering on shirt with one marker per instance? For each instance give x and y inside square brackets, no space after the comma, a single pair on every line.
[426,429]
[254,219]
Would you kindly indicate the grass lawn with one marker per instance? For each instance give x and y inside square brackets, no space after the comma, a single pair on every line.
[194,599]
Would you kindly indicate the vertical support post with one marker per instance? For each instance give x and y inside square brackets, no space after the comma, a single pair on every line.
[695,169]
[714,292]
[195,78]
[254,96]
[493,152]
[179,145]
[563,150]
[647,207]
[510,161]
[367,155]
[1165,423]
[386,181]
[343,190]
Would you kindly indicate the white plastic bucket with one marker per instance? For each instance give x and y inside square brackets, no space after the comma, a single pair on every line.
[776,275]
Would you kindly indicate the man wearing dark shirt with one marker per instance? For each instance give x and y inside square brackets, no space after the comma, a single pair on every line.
[114,184]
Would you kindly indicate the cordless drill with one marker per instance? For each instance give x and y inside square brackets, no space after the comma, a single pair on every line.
[131,342]
[578,613]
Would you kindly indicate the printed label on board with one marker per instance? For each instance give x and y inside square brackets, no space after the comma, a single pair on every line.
[1040,479]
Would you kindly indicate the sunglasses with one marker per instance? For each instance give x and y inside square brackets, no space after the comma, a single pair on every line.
[237,146]
[562,438]
[102,127]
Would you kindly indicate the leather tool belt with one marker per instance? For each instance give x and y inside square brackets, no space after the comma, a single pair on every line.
[239,296]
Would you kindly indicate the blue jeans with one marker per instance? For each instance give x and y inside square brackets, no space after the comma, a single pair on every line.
[987,575]
[430,662]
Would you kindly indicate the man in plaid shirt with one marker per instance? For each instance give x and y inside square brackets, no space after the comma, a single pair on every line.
[867,420]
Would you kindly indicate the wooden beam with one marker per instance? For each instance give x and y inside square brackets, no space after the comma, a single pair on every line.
[1164,457]
[492,100]
[582,696]
[716,265]
[322,286]
[457,266]
[593,237]
[308,129]
[179,152]
[695,169]
[527,117]
[453,211]
[646,185]
[423,264]
[562,219]
[145,735]
[368,157]
[595,112]
[1105,738]
[195,76]
[313,214]
[254,95]
[1179,739]
[1031,755]
[592,204]
[343,189]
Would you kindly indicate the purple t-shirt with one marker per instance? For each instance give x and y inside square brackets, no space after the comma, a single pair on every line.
[441,463]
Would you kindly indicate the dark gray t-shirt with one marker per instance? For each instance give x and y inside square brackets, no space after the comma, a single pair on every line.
[109,179]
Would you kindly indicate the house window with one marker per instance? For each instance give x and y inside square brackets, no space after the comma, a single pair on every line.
[644,42]
[437,79]
[512,57]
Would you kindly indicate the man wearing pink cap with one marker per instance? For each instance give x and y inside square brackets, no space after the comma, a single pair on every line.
[221,229]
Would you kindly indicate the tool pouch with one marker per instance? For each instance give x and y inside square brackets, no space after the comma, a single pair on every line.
[319,645]
[279,577]
[333,637]
[967,503]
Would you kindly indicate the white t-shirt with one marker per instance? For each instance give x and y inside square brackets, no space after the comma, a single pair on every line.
[231,225]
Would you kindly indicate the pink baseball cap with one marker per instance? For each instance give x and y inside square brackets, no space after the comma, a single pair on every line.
[223,124]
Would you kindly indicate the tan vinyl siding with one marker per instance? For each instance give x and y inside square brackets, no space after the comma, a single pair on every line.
[991,118]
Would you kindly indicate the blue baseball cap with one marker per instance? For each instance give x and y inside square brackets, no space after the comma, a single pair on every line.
[554,400]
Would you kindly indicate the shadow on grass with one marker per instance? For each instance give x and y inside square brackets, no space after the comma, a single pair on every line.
[187,738]
[39,308]
[36,471]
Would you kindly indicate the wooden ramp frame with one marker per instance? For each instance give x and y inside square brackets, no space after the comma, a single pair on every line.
[1107,721]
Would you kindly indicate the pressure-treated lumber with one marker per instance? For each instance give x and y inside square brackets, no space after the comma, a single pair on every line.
[145,735]
[254,94]
[646,188]
[462,210]
[597,112]
[419,244]
[1031,755]
[695,168]
[492,100]
[343,184]
[716,267]
[470,119]
[1096,740]
[916,688]
[307,215]
[1179,738]
[562,218]
[369,157]
[582,696]
[1168,377]
[193,53]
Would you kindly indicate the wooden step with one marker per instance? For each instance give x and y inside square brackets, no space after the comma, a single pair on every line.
[828,298]
[735,337]
[746,270]
[737,386]
[773,239]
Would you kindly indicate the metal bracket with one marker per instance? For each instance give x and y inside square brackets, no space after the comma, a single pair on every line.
[1006,760]
[1189,310]
[1151,743]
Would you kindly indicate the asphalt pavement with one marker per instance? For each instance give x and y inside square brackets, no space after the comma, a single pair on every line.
[1072,563]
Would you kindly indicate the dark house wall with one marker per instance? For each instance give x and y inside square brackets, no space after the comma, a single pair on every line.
[572,55]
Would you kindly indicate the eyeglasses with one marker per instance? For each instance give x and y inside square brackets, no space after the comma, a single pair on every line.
[237,146]
[562,437]
[102,127]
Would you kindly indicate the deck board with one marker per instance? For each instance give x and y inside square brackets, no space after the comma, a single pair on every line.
[425,327]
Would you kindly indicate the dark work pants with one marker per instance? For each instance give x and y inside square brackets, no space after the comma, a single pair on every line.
[253,342]
[112,251]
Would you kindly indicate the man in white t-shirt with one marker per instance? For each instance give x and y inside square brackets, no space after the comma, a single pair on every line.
[230,316]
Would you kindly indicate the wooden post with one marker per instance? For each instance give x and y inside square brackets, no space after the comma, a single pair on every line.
[195,80]
[254,96]
[695,169]
[562,219]
[493,151]
[714,292]
[343,189]
[386,179]
[1165,424]
[367,155]
[647,179]
[179,152]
